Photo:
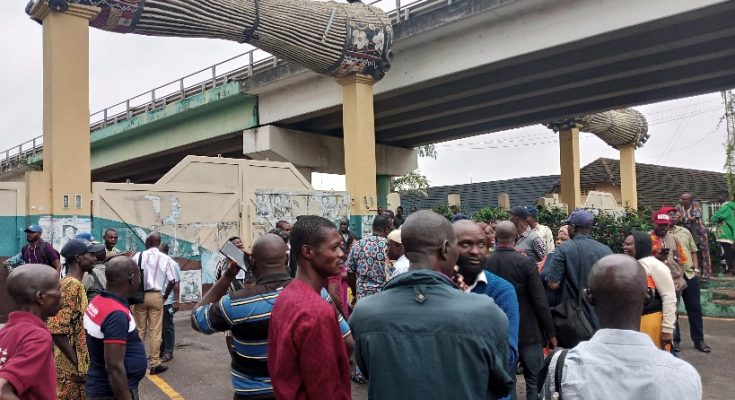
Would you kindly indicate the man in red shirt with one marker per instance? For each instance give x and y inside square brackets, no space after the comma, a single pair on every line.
[27,369]
[307,358]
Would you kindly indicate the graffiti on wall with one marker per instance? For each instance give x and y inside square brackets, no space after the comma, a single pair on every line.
[190,287]
[274,206]
[60,230]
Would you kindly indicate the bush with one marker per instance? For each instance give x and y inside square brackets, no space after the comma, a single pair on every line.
[489,213]
[443,209]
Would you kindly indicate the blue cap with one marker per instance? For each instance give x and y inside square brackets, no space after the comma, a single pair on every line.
[34,229]
[532,211]
[85,236]
[581,218]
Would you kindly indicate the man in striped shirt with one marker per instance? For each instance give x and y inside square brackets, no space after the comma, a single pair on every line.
[247,313]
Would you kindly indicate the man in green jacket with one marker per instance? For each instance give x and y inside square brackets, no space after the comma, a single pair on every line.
[725,217]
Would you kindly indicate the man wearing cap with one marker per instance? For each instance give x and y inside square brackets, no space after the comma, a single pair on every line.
[67,327]
[569,266]
[684,269]
[39,251]
[542,230]
[529,242]
[395,253]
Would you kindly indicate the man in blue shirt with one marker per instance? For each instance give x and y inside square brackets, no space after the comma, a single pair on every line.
[247,313]
[117,360]
[569,266]
[472,245]
[421,337]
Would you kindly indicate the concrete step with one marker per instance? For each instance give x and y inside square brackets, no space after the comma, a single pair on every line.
[723,294]
[720,283]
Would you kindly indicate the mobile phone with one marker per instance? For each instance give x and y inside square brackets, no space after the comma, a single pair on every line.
[231,251]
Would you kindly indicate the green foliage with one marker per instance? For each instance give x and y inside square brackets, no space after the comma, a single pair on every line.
[551,217]
[412,183]
[489,213]
[443,209]
[610,229]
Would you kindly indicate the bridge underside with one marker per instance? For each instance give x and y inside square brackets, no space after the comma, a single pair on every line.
[679,56]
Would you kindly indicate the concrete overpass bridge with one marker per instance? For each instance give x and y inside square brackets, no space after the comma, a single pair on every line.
[462,68]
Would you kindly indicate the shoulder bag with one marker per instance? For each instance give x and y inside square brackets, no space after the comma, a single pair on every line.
[570,320]
[139,296]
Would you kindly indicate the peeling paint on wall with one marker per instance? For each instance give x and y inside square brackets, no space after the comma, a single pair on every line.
[274,206]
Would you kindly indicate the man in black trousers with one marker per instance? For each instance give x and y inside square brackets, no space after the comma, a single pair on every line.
[536,325]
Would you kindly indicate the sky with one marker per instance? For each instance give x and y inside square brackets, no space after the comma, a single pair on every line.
[684,133]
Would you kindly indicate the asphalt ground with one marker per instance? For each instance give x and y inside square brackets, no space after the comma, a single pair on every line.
[200,369]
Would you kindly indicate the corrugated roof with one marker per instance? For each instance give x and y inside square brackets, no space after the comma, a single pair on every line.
[657,185]
[522,191]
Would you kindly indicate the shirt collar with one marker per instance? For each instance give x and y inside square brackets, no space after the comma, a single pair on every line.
[275,277]
[481,277]
[621,336]
[25,316]
[115,297]
[526,232]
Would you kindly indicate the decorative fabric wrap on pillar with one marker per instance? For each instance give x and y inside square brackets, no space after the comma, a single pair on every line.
[616,127]
[330,38]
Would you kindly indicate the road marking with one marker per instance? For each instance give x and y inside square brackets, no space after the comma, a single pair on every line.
[165,387]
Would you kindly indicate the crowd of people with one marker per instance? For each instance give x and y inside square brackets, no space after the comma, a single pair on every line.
[420,308]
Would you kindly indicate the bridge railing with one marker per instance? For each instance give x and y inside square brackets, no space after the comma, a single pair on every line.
[239,67]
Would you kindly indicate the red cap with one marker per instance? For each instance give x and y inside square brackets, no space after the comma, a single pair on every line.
[661,217]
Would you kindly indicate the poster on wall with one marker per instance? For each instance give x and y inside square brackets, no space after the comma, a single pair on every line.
[190,287]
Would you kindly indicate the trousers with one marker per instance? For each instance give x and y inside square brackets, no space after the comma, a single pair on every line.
[169,332]
[532,358]
[149,318]
[693,305]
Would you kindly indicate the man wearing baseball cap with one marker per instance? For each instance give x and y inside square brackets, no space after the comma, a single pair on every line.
[680,260]
[568,268]
[529,242]
[39,251]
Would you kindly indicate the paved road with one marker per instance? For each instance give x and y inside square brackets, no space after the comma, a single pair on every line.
[200,369]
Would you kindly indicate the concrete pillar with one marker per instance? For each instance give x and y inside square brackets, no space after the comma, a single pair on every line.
[504,201]
[571,193]
[628,186]
[66,143]
[382,183]
[358,121]
[394,200]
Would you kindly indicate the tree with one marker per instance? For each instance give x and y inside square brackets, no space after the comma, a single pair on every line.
[729,118]
[412,183]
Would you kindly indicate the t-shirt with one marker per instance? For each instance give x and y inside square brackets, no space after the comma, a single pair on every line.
[42,253]
[108,320]
[307,358]
[26,357]
[247,313]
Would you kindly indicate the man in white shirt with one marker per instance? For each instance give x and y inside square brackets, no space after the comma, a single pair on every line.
[159,278]
[542,230]
[619,362]
[395,253]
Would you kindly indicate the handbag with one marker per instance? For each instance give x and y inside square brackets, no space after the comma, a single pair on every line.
[571,322]
[138,297]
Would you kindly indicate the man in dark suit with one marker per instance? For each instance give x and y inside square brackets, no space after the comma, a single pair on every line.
[536,325]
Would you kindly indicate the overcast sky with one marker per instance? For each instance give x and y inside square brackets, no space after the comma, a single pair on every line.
[684,133]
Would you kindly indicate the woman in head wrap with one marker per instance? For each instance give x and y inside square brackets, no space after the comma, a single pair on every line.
[659,314]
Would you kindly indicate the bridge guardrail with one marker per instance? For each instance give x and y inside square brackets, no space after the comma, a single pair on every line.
[254,61]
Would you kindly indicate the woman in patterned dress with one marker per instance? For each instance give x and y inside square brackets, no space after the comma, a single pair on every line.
[67,328]
[691,213]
